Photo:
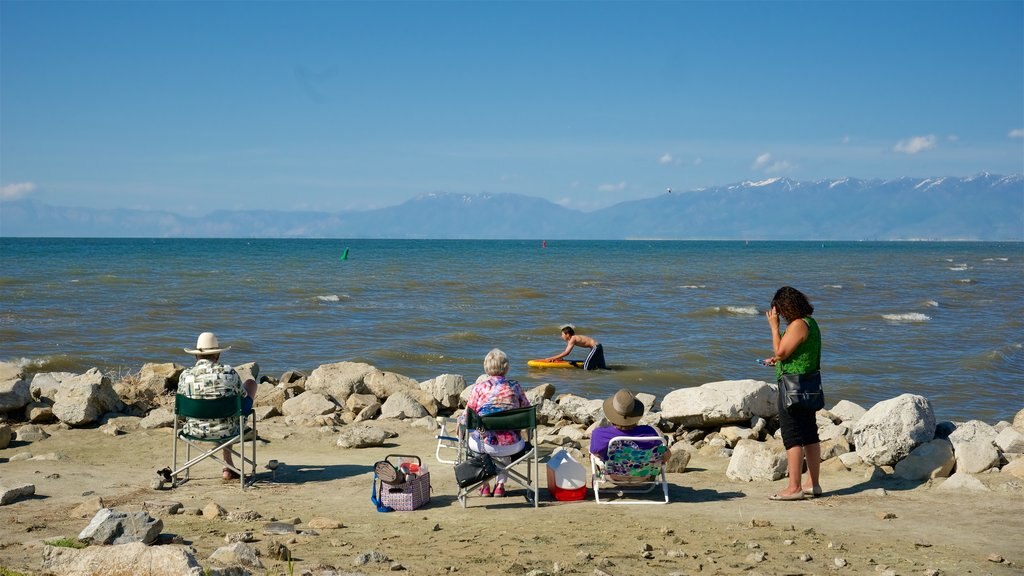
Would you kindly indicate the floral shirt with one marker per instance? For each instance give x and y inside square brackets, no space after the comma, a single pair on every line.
[210,380]
[492,394]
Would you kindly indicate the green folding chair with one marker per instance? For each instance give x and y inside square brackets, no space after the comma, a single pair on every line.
[211,409]
[524,466]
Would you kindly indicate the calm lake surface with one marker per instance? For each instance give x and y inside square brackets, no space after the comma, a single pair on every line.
[944,320]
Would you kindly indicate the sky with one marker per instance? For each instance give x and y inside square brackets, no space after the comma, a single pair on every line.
[192,106]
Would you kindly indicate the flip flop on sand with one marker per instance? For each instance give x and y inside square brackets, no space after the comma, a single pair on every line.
[813,492]
[787,497]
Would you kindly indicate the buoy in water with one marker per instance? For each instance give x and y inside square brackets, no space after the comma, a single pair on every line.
[344,255]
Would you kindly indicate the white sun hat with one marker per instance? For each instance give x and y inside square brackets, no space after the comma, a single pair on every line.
[207,344]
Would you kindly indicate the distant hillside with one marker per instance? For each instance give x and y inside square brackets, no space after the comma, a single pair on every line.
[982,207]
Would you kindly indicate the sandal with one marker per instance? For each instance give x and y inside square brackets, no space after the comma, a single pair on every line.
[813,492]
[787,497]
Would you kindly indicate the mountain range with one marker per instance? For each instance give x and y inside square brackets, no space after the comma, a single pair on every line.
[981,207]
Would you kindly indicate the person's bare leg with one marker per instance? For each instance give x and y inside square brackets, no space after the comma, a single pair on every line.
[812,453]
[795,466]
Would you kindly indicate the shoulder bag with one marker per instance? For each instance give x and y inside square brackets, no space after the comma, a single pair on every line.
[803,391]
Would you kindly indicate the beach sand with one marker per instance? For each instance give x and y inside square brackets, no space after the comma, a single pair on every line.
[713,525]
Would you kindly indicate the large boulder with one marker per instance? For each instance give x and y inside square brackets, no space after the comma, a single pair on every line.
[891,429]
[446,389]
[14,389]
[154,382]
[137,559]
[83,399]
[111,526]
[402,404]
[752,460]
[974,446]
[581,410]
[362,436]
[308,405]
[1018,421]
[848,412]
[932,459]
[44,385]
[718,403]
[384,384]
[339,380]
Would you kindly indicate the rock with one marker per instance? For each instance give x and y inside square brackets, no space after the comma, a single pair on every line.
[88,508]
[339,380]
[15,491]
[110,526]
[1010,440]
[974,446]
[362,436]
[1015,468]
[677,461]
[266,412]
[307,406]
[357,402]
[158,418]
[14,389]
[39,413]
[162,507]
[892,428]
[847,412]
[1018,421]
[368,413]
[152,384]
[428,402]
[246,536]
[548,412]
[929,460]
[83,399]
[44,385]
[581,410]
[322,523]
[733,434]
[5,435]
[834,447]
[851,459]
[168,560]
[30,433]
[213,510]
[446,389]
[385,384]
[402,404]
[718,403]
[237,554]
[963,481]
[248,371]
[752,460]
[539,393]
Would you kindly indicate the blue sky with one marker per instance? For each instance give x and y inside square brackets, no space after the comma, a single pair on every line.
[194,106]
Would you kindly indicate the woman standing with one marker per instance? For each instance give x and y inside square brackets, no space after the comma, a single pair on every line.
[796,351]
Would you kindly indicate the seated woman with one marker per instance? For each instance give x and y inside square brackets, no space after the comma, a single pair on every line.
[623,411]
[491,393]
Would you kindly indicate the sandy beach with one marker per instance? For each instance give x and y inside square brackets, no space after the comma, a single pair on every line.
[713,525]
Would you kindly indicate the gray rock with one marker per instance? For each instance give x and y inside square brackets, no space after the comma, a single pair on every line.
[718,403]
[1018,421]
[848,412]
[15,491]
[402,404]
[153,383]
[44,385]
[83,399]
[30,433]
[887,432]
[357,402]
[169,560]
[39,413]
[752,460]
[678,461]
[963,481]
[974,447]
[14,389]
[581,410]
[362,436]
[159,418]
[162,507]
[308,405]
[237,554]
[110,526]
[368,413]
[540,392]
[339,380]
[385,384]
[446,389]
[1010,440]
[248,371]
[929,460]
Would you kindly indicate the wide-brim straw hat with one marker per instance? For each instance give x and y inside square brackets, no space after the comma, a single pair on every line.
[207,344]
[623,409]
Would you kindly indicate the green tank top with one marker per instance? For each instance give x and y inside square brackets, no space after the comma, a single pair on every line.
[806,359]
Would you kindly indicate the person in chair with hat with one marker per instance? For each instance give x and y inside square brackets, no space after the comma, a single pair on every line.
[623,411]
[211,379]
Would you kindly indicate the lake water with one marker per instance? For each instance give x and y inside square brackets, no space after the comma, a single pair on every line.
[944,320]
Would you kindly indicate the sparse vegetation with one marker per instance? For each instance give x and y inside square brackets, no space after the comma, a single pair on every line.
[7,572]
[64,543]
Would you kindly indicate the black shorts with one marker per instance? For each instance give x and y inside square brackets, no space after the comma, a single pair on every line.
[799,425]
[595,360]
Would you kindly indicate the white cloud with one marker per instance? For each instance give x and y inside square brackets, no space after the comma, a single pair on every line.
[612,187]
[764,162]
[952,138]
[844,140]
[1016,133]
[16,191]
[698,161]
[666,158]
[915,144]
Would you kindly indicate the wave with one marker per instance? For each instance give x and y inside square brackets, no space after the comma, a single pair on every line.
[931,304]
[907,317]
[959,267]
[57,363]
[694,286]
[996,260]
[833,286]
[333,298]
[966,281]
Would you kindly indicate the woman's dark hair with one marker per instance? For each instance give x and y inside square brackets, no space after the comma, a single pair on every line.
[791,304]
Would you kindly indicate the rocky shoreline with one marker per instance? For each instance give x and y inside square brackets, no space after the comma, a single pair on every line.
[358,406]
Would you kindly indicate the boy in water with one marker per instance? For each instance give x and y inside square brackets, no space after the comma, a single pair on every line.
[595,359]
